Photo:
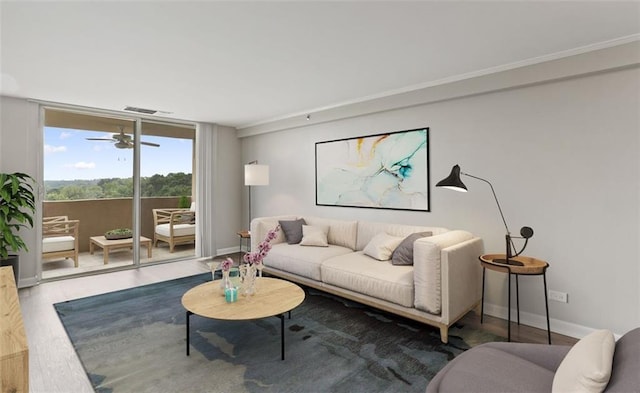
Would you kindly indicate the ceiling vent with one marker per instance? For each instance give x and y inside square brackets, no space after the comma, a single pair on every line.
[141,110]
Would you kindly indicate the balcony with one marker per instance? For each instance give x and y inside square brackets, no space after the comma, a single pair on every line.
[98,216]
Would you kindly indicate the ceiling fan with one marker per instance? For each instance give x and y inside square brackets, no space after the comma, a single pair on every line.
[122,140]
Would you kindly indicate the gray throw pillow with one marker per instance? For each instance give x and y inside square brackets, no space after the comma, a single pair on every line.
[292,230]
[403,254]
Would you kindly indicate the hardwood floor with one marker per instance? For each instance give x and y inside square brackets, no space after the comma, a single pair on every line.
[519,333]
[53,364]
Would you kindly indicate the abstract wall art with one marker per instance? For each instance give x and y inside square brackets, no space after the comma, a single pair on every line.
[384,171]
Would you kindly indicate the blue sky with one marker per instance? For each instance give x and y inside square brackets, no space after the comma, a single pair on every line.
[69,156]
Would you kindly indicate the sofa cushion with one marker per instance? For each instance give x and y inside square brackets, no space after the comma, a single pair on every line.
[403,254]
[382,246]
[300,260]
[587,366]
[58,243]
[626,363]
[178,230]
[361,273]
[314,235]
[368,229]
[292,230]
[260,226]
[341,233]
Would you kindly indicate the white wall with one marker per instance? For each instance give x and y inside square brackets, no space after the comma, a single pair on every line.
[228,189]
[563,158]
[21,151]
[20,143]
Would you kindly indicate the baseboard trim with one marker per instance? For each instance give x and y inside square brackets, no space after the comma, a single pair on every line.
[227,250]
[27,282]
[540,321]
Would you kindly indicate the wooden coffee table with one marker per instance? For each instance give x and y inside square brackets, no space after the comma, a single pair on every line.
[108,245]
[274,298]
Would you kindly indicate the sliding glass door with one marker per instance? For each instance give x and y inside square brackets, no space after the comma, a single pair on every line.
[91,164]
[167,205]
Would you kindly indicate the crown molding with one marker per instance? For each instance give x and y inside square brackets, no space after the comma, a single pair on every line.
[396,99]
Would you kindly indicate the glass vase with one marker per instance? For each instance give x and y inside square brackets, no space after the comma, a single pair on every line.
[248,279]
[225,282]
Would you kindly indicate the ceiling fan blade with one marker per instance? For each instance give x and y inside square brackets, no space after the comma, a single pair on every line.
[99,139]
[150,144]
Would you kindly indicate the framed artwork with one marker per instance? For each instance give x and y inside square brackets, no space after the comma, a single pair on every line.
[384,171]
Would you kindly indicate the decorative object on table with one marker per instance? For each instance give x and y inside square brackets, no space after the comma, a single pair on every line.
[248,274]
[231,294]
[255,175]
[253,266]
[117,234]
[17,205]
[453,182]
[225,283]
[384,171]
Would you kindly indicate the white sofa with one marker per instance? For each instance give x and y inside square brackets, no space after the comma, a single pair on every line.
[443,284]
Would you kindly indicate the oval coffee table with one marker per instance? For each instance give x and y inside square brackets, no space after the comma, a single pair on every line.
[274,298]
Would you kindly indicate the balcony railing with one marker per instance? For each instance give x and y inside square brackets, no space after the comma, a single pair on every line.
[98,216]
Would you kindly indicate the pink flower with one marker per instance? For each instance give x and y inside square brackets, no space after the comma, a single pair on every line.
[226,264]
[264,247]
[272,234]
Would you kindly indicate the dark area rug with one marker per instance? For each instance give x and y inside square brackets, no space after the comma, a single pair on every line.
[134,341]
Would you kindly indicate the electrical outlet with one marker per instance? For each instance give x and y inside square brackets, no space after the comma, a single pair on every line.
[561,297]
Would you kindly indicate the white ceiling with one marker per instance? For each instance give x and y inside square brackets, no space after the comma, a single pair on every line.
[243,63]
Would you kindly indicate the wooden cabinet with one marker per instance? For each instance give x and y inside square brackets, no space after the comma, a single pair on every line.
[14,352]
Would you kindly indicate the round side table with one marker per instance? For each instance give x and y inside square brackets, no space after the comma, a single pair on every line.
[519,266]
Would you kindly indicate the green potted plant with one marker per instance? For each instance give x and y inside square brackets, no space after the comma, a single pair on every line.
[17,206]
[118,233]
[184,202]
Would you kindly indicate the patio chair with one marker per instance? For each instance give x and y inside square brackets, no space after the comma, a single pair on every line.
[60,238]
[174,226]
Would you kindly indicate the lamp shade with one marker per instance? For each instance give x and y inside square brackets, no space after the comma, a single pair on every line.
[256,175]
[453,181]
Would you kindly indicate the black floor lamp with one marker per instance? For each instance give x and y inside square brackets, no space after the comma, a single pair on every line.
[453,182]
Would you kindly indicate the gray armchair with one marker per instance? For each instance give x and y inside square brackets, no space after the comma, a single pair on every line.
[517,367]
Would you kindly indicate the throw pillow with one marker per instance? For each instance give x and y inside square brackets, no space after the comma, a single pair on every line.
[292,230]
[314,236]
[403,254]
[381,246]
[587,366]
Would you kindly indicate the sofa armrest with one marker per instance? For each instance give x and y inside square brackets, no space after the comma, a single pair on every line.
[447,273]
[461,276]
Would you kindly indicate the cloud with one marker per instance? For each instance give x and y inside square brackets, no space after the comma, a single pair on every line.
[49,149]
[82,165]
[65,135]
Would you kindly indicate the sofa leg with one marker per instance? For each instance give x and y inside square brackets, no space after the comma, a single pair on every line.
[444,334]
